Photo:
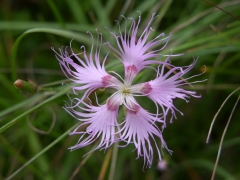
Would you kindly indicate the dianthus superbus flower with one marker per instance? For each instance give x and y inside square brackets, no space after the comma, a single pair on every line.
[139,127]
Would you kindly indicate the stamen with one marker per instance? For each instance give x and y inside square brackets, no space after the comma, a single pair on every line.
[126,91]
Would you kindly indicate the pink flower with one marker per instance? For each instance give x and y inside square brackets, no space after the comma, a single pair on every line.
[139,127]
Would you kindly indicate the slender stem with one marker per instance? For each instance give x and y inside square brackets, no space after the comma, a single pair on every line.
[213,121]
[105,164]
[222,138]
[82,162]
[114,161]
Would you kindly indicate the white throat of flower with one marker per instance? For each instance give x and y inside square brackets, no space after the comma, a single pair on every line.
[125,90]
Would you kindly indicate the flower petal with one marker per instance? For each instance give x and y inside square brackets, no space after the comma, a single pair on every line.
[101,124]
[88,74]
[135,52]
[166,87]
[139,127]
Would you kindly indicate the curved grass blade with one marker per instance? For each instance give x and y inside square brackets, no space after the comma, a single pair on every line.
[213,121]
[222,138]
[63,33]
[43,151]
[15,120]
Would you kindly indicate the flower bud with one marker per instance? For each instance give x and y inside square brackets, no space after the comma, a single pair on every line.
[29,87]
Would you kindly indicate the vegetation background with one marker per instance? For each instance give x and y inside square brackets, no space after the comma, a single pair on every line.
[34,128]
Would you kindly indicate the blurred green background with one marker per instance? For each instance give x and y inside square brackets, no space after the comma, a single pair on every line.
[34,128]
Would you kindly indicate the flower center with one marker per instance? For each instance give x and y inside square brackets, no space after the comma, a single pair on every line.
[125,91]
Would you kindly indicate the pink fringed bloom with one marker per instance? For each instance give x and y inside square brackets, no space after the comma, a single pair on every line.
[139,127]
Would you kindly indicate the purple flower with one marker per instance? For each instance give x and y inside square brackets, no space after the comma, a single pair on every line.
[139,127]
